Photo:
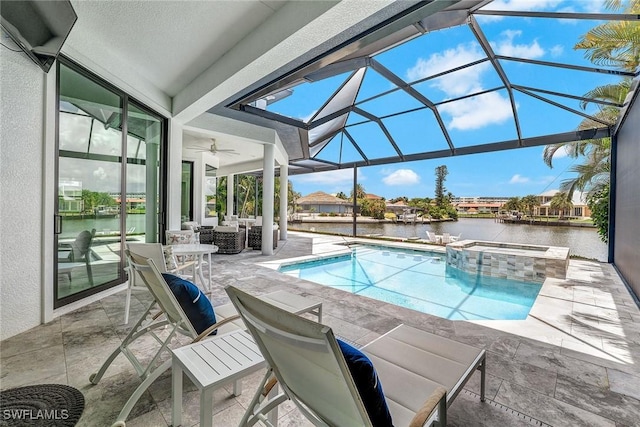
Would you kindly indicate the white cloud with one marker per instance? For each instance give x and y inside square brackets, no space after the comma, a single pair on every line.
[557,50]
[455,84]
[507,47]
[477,112]
[518,179]
[100,173]
[402,177]
[340,176]
[528,5]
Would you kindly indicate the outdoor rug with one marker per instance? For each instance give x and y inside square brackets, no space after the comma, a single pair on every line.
[51,405]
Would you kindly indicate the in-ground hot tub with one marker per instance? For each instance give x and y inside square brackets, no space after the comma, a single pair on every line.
[528,263]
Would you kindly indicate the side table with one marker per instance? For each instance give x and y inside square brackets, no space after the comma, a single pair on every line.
[209,365]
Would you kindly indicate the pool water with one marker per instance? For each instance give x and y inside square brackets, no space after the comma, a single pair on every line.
[420,281]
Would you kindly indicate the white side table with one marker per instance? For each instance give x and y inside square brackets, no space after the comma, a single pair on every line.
[210,364]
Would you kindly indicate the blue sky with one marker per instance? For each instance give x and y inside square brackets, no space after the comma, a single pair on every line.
[475,120]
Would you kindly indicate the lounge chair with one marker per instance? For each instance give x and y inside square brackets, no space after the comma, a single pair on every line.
[431,237]
[163,320]
[420,373]
[163,259]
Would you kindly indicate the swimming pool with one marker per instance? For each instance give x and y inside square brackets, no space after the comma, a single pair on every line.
[421,281]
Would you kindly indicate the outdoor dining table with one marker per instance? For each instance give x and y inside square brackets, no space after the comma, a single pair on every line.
[199,250]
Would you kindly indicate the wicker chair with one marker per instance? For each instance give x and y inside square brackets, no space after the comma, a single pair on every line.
[206,231]
[228,239]
[255,237]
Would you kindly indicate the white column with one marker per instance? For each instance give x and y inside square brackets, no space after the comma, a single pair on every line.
[284,194]
[174,178]
[268,191]
[230,194]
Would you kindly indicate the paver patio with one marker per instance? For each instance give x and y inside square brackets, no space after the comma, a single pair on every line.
[575,361]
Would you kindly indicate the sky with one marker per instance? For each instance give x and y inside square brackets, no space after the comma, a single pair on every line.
[475,120]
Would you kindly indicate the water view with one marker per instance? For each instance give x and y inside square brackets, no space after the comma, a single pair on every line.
[582,241]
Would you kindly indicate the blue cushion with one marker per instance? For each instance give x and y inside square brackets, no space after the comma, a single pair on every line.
[195,304]
[366,380]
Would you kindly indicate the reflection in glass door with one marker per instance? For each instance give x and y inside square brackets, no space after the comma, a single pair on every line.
[186,195]
[103,198]
[144,137]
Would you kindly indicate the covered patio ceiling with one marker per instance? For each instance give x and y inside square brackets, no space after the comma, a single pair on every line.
[445,78]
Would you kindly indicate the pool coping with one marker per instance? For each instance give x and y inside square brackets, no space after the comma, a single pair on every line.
[338,249]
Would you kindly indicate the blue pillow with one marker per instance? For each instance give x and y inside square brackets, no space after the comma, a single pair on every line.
[194,303]
[366,380]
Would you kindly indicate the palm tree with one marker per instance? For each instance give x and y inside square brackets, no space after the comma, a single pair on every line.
[609,44]
[360,192]
[529,202]
[561,202]
[513,204]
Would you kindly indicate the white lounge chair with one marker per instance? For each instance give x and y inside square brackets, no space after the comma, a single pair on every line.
[420,373]
[431,237]
[164,260]
[163,320]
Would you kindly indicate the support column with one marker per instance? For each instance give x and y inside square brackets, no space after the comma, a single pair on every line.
[174,177]
[284,201]
[151,175]
[355,200]
[230,190]
[268,191]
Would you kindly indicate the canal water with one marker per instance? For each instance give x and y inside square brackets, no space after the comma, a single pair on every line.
[582,241]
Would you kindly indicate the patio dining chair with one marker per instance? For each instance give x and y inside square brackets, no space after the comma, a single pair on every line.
[164,320]
[78,251]
[407,377]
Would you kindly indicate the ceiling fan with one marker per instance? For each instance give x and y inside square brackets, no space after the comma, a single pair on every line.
[215,150]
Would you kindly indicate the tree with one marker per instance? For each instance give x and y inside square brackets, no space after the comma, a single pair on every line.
[599,205]
[441,176]
[373,208]
[360,192]
[399,199]
[92,199]
[342,196]
[610,44]
[292,197]
[512,204]
[561,202]
[529,202]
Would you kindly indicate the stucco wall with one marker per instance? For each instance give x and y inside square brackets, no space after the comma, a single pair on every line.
[21,141]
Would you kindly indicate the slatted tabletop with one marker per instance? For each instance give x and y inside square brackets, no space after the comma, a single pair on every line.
[224,358]
[210,364]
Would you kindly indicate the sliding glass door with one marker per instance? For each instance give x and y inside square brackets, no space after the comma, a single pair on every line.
[108,175]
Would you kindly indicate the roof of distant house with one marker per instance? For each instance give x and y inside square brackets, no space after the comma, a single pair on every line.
[320,197]
[373,197]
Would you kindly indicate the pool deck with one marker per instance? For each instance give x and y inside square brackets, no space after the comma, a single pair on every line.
[575,361]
